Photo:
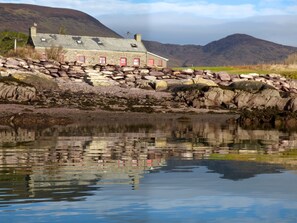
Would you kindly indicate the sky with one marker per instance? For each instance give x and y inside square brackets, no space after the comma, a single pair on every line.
[188,21]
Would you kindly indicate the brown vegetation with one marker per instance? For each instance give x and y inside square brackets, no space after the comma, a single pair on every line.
[292,59]
[55,53]
[25,52]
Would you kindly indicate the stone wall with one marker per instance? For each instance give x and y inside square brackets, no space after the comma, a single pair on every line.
[112,57]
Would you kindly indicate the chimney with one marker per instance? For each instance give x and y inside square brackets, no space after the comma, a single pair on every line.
[33,31]
[137,37]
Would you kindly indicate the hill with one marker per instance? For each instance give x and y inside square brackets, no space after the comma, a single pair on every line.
[19,17]
[237,49]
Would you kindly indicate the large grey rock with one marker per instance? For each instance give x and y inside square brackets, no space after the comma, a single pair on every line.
[156,73]
[249,86]
[263,99]
[200,80]
[218,97]
[144,84]
[144,71]
[292,105]
[12,61]
[128,69]
[224,76]
[188,71]
[150,78]
[161,85]
[173,82]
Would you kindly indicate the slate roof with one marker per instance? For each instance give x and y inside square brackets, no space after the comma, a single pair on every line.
[87,42]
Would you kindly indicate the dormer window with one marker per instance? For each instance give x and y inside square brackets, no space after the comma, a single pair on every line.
[97,40]
[77,39]
[53,36]
[43,39]
[134,45]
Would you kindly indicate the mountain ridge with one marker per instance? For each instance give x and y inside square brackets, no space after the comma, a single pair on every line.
[19,17]
[235,49]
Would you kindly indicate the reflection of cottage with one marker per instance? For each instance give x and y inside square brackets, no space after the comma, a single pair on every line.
[98,50]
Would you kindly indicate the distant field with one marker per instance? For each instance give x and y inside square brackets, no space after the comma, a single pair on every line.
[285,70]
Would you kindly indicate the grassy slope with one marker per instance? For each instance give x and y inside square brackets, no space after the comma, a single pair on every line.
[289,71]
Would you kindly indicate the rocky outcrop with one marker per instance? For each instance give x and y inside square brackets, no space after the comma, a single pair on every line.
[232,98]
[189,87]
[145,77]
[14,92]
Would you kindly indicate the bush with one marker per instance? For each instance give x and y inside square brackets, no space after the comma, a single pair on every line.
[7,39]
[291,59]
[55,53]
[24,53]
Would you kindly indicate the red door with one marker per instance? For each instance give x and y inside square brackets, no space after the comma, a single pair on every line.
[123,61]
[151,62]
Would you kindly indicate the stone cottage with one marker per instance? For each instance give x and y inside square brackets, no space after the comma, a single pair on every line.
[97,50]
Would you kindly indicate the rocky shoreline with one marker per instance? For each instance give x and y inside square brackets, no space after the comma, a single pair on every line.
[50,84]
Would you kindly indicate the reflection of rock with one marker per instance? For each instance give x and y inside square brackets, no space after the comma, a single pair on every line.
[8,135]
[67,163]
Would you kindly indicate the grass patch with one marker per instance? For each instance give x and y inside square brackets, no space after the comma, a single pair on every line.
[287,70]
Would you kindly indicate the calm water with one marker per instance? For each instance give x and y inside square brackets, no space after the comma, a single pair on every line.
[177,171]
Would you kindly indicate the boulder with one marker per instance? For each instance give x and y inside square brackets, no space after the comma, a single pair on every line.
[218,97]
[102,83]
[128,69]
[188,71]
[172,82]
[292,105]
[144,84]
[156,73]
[161,85]
[144,71]
[266,98]
[224,76]
[150,78]
[198,72]
[12,61]
[249,86]
[167,71]
[200,80]
[187,82]
[39,81]
[246,76]
[274,76]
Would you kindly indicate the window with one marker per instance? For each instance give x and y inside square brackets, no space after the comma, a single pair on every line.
[160,63]
[81,59]
[136,62]
[102,60]
[97,40]
[123,61]
[151,62]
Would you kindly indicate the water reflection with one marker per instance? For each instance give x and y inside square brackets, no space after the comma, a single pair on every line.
[73,162]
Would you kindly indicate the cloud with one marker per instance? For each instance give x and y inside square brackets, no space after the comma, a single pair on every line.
[191,22]
[201,8]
